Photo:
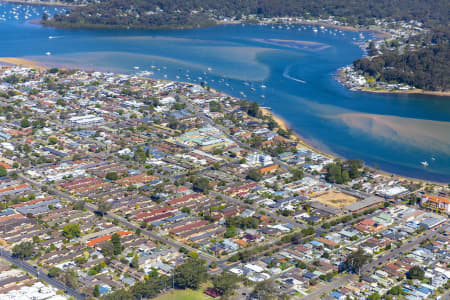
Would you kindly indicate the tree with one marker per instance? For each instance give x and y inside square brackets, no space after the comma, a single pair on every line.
[96,291]
[103,207]
[115,240]
[54,272]
[297,174]
[71,278]
[201,184]
[3,171]
[264,290]
[253,109]
[356,260]
[112,176]
[191,273]
[135,262]
[416,272]
[231,231]
[396,290]
[52,140]
[374,296]
[186,210]
[78,205]
[25,123]
[23,250]
[254,174]
[226,283]
[71,231]
[107,249]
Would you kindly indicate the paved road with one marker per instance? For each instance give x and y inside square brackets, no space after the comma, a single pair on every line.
[327,288]
[40,274]
[126,223]
[395,253]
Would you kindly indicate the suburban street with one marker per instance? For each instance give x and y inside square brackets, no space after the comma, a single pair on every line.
[339,282]
[39,274]
[124,222]
[395,253]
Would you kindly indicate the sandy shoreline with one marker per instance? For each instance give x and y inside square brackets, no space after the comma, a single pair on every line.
[281,122]
[297,137]
[22,62]
[412,92]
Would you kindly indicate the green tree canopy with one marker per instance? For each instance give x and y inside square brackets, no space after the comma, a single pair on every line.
[112,176]
[357,259]
[3,171]
[71,231]
[191,274]
[254,174]
[416,272]
[226,283]
[23,250]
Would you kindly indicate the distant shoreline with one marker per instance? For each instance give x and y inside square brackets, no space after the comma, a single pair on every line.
[340,78]
[405,92]
[47,3]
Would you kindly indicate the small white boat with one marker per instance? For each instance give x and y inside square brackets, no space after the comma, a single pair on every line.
[48,53]
[136,67]
[209,69]
[263,86]
[424,163]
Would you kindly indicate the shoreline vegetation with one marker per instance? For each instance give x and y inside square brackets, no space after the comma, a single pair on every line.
[282,123]
[340,77]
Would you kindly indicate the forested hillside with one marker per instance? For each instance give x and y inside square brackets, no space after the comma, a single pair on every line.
[425,67]
[192,13]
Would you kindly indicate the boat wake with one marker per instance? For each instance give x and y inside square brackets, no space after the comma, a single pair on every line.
[286,75]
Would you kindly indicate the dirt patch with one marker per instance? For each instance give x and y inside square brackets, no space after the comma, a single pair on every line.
[336,199]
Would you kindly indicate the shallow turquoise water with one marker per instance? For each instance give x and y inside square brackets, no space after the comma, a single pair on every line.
[396,132]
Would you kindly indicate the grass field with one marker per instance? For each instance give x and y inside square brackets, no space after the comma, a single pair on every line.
[336,199]
[184,295]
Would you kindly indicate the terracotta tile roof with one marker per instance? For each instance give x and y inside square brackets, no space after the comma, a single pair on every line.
[437,199]
[105,238]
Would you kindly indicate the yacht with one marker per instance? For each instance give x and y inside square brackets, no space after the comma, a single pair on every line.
[48,53]
[424,163]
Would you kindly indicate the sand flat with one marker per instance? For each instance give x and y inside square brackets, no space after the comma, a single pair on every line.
[22,62]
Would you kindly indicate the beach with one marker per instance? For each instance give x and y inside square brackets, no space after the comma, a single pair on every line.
[412,91]
[297,137]
[22,62]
